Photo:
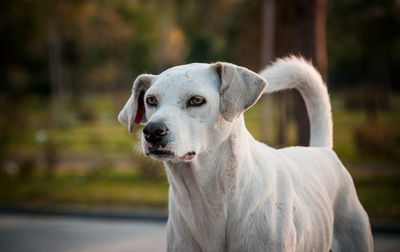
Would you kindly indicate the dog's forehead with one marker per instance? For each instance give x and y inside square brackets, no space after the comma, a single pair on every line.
[195,75]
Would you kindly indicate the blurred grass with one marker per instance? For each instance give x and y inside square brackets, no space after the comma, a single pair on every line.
[106,169]
[380,196]
[113,189]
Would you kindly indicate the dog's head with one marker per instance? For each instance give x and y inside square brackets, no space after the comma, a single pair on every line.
[189,109]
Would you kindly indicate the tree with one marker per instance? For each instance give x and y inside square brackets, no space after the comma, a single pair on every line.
[311,37]
[267,55]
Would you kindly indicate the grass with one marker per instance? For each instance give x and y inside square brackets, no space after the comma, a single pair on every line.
[380,196]
[85,148]
[114,189]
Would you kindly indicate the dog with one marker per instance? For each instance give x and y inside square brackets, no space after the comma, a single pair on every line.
[229,192]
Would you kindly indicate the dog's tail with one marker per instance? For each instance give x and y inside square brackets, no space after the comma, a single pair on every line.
[294,72]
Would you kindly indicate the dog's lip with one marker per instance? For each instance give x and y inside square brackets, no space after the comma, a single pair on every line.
[188,156]
[161,153]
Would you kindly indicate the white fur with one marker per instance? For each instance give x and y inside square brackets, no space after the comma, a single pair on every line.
[238,194]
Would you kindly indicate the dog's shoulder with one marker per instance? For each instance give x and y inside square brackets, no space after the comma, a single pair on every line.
[319,161]
[311,154]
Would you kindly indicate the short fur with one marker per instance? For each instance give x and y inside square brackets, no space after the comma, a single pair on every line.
[237,194]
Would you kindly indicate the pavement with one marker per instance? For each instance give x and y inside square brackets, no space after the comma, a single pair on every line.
[32,233]
[56,233]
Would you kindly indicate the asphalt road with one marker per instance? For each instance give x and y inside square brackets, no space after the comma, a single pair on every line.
[22,233]
[59,234]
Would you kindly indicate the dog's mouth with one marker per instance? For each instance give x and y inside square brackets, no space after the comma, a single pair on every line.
[188,156]
[161,153]
[165,155]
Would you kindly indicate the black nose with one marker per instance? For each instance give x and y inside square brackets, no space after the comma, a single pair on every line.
[155,132]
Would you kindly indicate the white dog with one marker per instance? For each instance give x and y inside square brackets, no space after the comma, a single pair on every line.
[229,192]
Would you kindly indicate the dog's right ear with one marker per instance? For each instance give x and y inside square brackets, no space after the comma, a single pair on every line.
[134,109]
[240,89]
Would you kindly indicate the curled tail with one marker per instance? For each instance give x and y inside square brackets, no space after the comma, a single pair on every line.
[294,72]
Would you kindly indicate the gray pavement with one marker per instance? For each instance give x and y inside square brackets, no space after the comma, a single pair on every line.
[21,233]
[60,234]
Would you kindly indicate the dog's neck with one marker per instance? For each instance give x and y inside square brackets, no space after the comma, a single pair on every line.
[207,184]
[214,171]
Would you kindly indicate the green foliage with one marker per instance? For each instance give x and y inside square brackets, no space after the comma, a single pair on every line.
[105,43]
[363,41]
[24,58]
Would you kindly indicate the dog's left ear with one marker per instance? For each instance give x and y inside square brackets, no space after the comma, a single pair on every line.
[134,109]
[240,89]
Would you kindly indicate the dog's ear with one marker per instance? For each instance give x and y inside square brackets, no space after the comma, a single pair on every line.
[134,109]
[240,89]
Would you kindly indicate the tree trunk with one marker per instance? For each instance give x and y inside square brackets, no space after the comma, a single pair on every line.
[311,37]
[56,68]
[57,81]
[267,55]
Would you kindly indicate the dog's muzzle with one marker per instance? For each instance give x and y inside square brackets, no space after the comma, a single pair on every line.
[157,139]
[155,133]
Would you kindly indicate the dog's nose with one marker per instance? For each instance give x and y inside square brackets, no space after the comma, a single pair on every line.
[155,132]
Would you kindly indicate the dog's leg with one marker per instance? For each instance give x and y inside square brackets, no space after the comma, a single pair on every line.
[179,237]
[352,231]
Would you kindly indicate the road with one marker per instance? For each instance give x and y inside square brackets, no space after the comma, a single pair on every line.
[22,233]
[57,234]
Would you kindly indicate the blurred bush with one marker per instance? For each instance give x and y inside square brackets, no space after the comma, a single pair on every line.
[368,97]
[379,140]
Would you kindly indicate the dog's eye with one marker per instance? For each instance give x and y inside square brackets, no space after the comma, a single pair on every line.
[151,100]
[196,101]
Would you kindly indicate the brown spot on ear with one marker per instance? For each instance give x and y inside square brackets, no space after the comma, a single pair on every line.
[140,110]
[218,69]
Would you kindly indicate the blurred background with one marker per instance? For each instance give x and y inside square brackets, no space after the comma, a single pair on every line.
[67,67]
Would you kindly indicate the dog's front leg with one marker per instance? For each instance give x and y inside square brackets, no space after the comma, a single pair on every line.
[179,237]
